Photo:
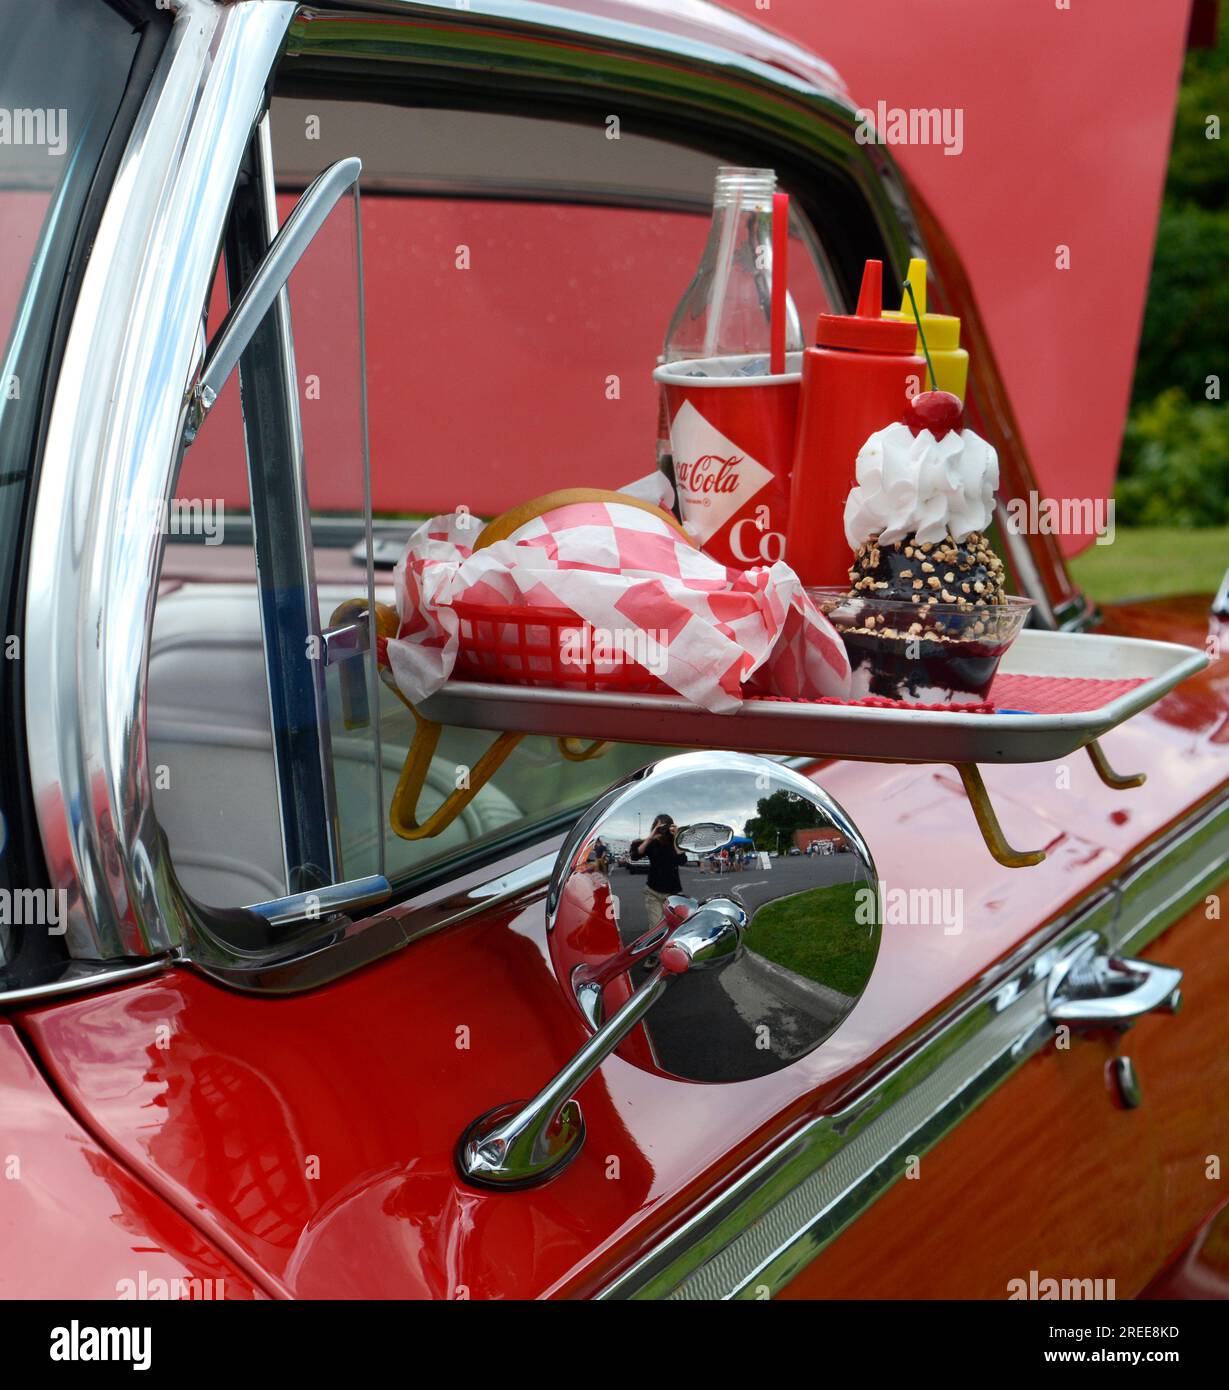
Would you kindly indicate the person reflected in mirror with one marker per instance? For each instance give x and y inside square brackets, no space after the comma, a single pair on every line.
[664,856]
[599,857]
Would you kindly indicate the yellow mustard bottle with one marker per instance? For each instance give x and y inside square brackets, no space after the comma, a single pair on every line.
[951,361]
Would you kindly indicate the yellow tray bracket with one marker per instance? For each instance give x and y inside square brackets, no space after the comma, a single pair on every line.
[1119,781]
[575,750]
[988,822]
[403,813]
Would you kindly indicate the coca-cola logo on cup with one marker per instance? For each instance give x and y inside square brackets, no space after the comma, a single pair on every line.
[709,473]
[716,479]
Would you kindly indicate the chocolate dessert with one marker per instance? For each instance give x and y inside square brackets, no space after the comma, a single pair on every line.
[966,573]
[927,617]
[923,670]
[928,635]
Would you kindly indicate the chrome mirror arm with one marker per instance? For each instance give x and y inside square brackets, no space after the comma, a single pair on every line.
[519,1144]
[588,981]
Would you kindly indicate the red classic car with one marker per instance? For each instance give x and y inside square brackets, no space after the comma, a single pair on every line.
[256,1043]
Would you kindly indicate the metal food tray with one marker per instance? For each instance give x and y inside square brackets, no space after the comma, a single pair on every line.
[847,731]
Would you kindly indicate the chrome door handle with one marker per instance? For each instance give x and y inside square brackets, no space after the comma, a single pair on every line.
[1092,989]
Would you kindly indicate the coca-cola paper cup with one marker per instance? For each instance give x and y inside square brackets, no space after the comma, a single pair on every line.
[732,441]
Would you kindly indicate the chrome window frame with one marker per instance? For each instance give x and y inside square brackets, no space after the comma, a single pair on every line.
[112,445]
[135,349]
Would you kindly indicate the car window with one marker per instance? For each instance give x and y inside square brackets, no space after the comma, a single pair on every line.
[258,724]
[519,276]
[507,261]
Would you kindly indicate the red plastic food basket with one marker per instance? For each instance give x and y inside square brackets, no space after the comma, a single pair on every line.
[527,646]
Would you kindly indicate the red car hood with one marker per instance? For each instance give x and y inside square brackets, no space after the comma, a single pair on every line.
[1067,115]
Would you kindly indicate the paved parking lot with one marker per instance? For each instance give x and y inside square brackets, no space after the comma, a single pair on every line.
[751,1016]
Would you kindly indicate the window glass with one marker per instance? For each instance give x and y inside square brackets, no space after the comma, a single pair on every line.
[519,277]
[258,725]
[511,332]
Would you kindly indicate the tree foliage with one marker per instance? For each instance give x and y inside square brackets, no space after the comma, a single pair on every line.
[778,816]
[1175,464]
[1175,456]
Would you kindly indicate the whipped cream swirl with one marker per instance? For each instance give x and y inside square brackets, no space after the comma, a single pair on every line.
[917,485]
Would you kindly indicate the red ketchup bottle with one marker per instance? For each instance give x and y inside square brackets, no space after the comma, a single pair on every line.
[857,379]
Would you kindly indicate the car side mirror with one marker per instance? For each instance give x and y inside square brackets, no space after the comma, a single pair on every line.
[707,837]
[689,973]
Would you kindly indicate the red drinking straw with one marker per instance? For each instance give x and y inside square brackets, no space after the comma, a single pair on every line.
[780,266]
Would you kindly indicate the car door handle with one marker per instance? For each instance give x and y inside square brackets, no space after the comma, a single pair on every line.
[1093,989]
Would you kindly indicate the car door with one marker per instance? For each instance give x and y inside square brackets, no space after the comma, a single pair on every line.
[304,1111]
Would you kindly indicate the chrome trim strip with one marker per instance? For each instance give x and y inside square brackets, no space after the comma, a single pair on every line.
[492,190]
[324,902]
[1024,567]
[751,1239]
[286,247]
[108,469]
[343,944]
[1186,863]
[101,977]
[280,513]
[368,541]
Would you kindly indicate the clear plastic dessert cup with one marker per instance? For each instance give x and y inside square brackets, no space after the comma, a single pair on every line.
[919,653]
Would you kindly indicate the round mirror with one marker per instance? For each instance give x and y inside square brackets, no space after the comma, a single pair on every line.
[749,852]
[705,838]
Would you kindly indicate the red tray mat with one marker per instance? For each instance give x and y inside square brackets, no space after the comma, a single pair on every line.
[1030,694]
[1057,694]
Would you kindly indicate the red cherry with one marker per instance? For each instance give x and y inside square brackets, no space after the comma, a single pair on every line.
[936,411]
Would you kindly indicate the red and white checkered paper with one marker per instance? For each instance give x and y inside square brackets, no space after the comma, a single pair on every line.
[728,632]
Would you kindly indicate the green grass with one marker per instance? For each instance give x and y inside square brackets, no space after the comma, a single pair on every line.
[1146,561]
[816,933]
